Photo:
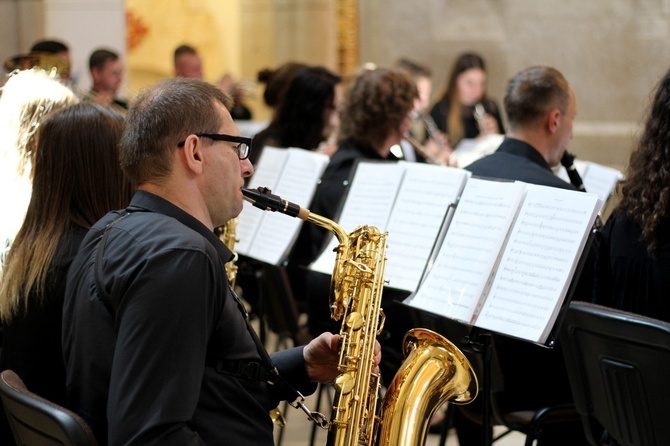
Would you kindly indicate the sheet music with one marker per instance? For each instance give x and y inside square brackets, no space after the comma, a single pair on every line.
[297,184]
[425,194]
[538,262]
[369,202]
[601,180]
[267,172]
[456,282]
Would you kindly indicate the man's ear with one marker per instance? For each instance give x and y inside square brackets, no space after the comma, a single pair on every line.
[192,154]
[553,119]
[95,74]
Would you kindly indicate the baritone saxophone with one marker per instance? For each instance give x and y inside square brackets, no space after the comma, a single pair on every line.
[227,234]
[434,372]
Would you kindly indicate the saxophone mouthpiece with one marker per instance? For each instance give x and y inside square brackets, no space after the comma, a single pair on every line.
[263,198]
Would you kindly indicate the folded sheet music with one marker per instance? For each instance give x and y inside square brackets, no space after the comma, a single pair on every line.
[410,201]
[508,257]
[292,174]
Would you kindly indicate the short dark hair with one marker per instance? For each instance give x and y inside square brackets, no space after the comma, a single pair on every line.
[534,91]
[162,115]
[49,46]
[99,58]
[184,49]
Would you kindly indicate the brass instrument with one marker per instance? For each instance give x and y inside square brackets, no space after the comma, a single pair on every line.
[434,372]
[45,61]
[93,96]
[228,236]
[433,133]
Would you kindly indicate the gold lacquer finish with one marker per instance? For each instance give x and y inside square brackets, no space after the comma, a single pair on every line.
[434,372]
[229,238]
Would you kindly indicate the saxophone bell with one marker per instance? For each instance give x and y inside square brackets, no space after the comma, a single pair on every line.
[434,371]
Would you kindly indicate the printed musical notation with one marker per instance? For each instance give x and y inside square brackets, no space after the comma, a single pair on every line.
[292,174]
[409,200]
[513,276]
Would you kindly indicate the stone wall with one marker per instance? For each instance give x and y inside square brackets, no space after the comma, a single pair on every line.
[613,52]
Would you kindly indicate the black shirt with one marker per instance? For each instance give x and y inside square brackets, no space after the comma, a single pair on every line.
[147,352]
[517,160]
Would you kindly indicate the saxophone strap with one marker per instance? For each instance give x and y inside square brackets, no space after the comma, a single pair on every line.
[266,371]
[246,369]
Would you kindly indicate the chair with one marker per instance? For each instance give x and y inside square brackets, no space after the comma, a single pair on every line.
[36,421]
[618,368]
[528,422]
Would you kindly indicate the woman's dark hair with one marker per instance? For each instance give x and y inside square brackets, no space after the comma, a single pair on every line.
[300,117]
[645,191]
[277,81]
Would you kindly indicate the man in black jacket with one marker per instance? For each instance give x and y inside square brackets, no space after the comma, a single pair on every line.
[540,107]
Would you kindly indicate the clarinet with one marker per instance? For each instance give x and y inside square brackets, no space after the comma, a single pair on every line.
[567,161]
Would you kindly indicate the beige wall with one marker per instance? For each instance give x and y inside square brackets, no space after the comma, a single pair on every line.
[612,51]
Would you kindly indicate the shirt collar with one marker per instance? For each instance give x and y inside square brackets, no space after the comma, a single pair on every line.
[517,147]
[143,200]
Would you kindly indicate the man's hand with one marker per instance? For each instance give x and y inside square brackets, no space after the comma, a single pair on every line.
[322,357]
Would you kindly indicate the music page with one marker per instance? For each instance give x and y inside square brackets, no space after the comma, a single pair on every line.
[277,232]
[369,202]
[463,266]
[601,180]
[266,174]
[538,262]
[426,192]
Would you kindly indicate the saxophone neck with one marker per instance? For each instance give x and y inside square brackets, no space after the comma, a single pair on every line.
[263,198]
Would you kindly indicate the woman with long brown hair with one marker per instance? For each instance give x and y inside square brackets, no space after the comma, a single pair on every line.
[76,180]
[465,110]
[633,266]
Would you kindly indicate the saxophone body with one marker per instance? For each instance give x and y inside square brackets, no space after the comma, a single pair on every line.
[434,372]
[229,237]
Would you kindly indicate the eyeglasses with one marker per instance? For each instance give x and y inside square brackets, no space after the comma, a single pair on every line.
[243,148]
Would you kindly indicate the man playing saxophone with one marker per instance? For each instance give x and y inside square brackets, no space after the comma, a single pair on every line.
[174,360]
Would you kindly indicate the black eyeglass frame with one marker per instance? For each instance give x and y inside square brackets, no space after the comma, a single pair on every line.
[243,148]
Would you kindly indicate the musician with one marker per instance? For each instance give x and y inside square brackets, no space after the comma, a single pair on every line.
[107,73]
[420,143]
[540,106]
[456,112]
[187,62]
[277,81]
[633,266]
[77,179]
[58,49]
[375,116]
[28,96]
[307,116]
[173,359]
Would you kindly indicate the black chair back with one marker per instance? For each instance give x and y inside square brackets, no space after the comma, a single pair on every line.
[618,368]
[36,421]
